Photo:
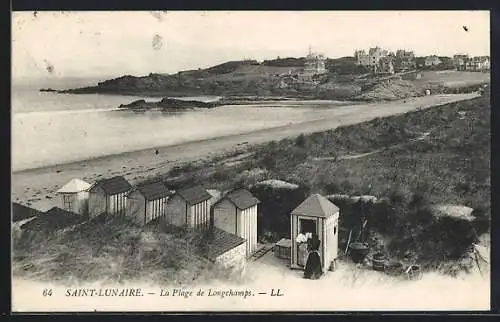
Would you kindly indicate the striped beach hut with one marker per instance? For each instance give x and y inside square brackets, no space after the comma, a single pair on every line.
[108,196]
[147,202]
[236,213]
[189,207]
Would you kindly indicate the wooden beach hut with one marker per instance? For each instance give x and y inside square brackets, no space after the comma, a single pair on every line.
[236,213]
[189,207]
[74,196]
[316,216]
[226,250]
[147,202]
[108,196]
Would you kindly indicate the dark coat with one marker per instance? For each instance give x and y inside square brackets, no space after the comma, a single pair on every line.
[313,268]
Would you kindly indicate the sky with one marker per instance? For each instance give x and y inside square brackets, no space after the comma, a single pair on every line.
[111,44]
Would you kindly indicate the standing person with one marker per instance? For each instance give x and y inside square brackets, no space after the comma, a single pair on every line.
[313,268]
[302,249]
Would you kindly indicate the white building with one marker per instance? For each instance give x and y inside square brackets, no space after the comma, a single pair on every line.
[74,196]
[316,216]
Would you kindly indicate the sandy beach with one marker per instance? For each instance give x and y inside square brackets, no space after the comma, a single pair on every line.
[37,186]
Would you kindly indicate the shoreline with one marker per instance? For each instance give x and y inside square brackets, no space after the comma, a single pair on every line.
[37,186]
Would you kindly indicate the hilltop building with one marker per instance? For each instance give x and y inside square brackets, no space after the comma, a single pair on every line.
[460,60]
[385,66]
[362,58]
[432,60]
[464,62]
[378,60]
[477,64]
[404,61]
[315,64]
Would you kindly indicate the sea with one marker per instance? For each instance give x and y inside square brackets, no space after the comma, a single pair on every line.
[50,128]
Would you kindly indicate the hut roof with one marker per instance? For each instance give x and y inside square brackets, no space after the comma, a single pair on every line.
[154,190]
[54,219]
[75,185]
[216,195]
[21,212]
[219,242]
[242,198]
[194,195]
[316,206]
[113,185]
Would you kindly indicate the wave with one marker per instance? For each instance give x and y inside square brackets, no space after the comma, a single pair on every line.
[64,112]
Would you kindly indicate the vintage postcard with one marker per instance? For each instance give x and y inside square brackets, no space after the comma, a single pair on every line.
[182,161]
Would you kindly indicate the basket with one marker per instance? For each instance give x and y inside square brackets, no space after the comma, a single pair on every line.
[358,252]
[378,262]
[394,269]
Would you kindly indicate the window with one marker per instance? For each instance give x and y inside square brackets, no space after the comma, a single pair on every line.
[67,202]
[308,226]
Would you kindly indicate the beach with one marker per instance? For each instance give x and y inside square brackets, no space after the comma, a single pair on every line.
[37,187]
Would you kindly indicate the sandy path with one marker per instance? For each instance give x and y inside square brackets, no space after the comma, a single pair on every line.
[37,186]
[348,288]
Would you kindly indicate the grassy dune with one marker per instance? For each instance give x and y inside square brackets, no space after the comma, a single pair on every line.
[111,251]
[440,155]
[434,156]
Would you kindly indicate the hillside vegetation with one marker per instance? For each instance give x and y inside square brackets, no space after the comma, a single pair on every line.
[345,80]
[412,161]
[113,251]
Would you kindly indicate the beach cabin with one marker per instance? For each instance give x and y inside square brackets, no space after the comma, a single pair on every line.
[236,213]
[147,202]
[189,207]
[55,219]
[108,196]
[227,251]
[22,212]
[315,215]
[74,196]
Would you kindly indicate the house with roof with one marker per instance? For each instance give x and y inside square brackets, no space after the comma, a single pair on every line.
[189,207]
[22,212]
[108,196]
[147,202]
[236,213]
[315,216]
[460,60]
[74,196]
[385,66]
[53,220]
[432,60]
[226,250]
